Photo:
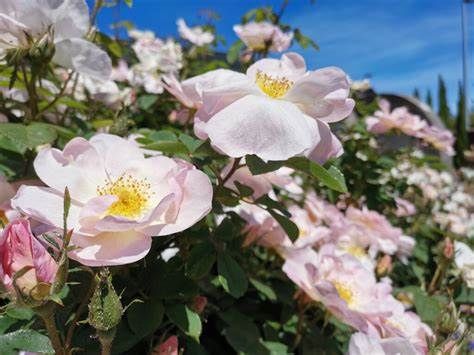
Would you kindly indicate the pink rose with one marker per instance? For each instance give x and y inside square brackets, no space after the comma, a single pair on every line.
[276,110]
[119,198]
[257,35]
[440,138]
[195,35]
[404,208]
[20,250]
[363,344]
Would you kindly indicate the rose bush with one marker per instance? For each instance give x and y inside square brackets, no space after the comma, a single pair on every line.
[158,197]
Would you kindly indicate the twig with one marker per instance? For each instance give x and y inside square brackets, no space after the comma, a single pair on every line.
[232,170]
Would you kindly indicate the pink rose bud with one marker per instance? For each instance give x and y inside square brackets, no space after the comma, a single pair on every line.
[448,249]
[25,264]
[168,347]
[199,303]
[384,265]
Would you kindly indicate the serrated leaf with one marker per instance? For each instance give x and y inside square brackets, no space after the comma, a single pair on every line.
[13,137]
[145,102]
[291,229]
[257,166]
[25,339]
[200,261]
[145,317]
[40,133]
[231,276]
[186,320]
[264,289]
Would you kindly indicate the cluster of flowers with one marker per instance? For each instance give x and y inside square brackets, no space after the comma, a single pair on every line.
[400,119]
[335,260]
[451,200]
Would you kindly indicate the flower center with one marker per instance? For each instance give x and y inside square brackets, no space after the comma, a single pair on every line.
[356,251]
[344,292]
[273,87]
[132,193]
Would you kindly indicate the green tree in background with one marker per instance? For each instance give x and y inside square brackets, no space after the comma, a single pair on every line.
[461,134]
[429,99]
[443,108]
[416,93]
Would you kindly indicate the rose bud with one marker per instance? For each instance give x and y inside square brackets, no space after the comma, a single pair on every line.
[27,270]
[199,303]
[448,249]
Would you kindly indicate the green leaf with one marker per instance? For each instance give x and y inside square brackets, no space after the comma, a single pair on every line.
[19,313]
[304,41]
[200,261]
[40,133]
[332,179]
[234,51]
[191,143]
[427,307]
[146,101]
[231,276]
[257,166]
[13,137]
[265,290]
[145,318]
[287,224]
[129,3]
[186,320]
[5,323]
[170,147]
[276,348]
[244,190]
[25,339]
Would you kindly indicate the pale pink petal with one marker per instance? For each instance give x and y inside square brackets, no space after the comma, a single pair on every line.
[195,204]
[271,129]
[291,66]
[78,167]
[116,248]
[328,147]
[117,153]
[323,94]
[84,57]
[45,205]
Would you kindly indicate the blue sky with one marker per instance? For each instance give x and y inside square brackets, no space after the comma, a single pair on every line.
[402,44]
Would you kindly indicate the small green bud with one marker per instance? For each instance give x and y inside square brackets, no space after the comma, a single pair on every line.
[105,308]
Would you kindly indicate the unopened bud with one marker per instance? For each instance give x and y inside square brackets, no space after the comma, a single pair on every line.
[105,308]
[199,303]
[448,321]
[384,265]
[448,248]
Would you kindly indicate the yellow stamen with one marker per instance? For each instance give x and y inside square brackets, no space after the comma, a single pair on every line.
[132,193]
[356,251]
[273,87]
[344,292]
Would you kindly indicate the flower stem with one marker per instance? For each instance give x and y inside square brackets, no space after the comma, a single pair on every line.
[53,333]
[232,170]
[106,338]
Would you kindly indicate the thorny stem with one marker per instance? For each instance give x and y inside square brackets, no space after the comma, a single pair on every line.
[232,170]
[47,316]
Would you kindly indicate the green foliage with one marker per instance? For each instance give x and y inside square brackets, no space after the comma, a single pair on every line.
[443,107]
[25,339]
[231,276]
